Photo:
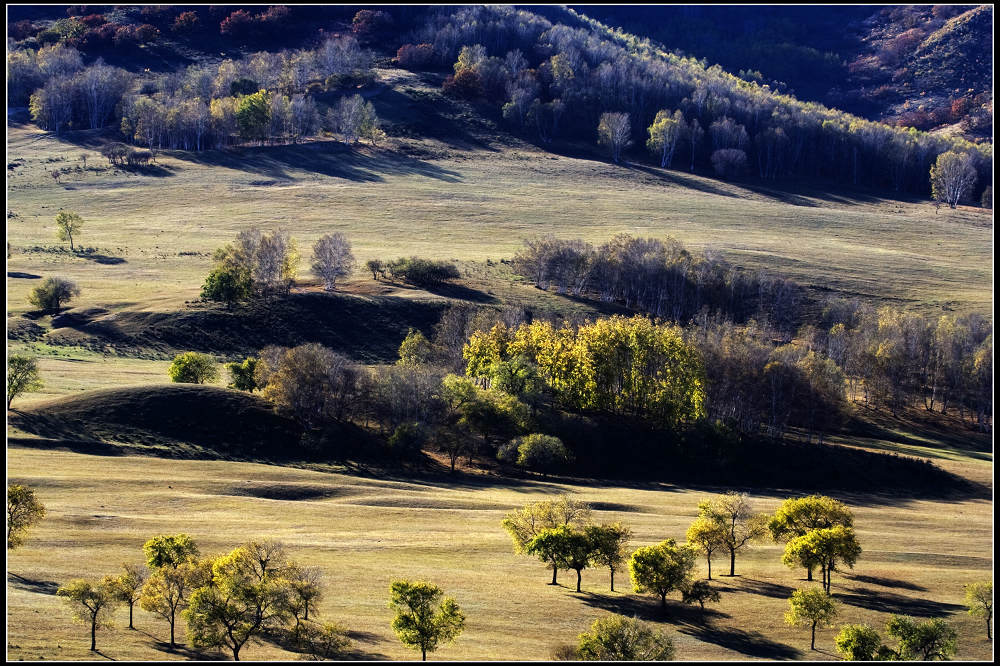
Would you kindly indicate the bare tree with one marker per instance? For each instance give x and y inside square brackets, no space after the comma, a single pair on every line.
[332,259]
[614,131]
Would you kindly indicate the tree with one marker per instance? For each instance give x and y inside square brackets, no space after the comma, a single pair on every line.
[22,376]
[165,592]
[823,548]
[541,452]
[527,522]
[810,606]
[610,546]
[423,619]
[253,115]
[415,349]
[729,162]
[169,550]
[23,511]
[979,599]
[52,293]
[312,383]
[664,134]
[565,547]
[799,515]
[700,591]
[242,374]
[227,284]
[922,641]
[620,638]
[325,642]
[614,131]
[127,586]
[92,603]
[858,642]
[376,267]
[708,536]
[67,224]
[332,259]
[952,176]
[305,589]
[247,595]
[741,526]
[662,568]
[193,368]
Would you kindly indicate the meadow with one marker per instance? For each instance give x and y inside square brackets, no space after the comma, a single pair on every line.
[149,237]
[363,530]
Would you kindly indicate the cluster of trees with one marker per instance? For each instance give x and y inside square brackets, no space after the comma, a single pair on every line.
[415,270]
[916,641]
[535,70]
[227,601]
[263,96]
[616,365]
[260,264]
[660,277]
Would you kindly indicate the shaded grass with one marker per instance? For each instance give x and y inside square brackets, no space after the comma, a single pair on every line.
[100,514]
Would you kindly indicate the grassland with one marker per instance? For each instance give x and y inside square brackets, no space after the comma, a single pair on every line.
[472,199]
[363,531]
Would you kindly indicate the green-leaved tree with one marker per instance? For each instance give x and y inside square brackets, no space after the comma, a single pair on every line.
[812,606]
[423,618]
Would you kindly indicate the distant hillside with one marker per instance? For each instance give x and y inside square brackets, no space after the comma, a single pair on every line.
[919,66]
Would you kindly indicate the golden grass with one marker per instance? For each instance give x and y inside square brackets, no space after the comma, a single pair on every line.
[364,532]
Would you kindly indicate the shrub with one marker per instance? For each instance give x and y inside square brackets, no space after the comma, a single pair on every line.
[422,271]
[620,638]
[193,368]
[52,293]
[542,453]
[729,162]
[186,23]
[465,83]
[415,56]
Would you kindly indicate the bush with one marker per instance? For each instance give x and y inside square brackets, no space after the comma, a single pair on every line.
[465,83]
[542,453]
[620,638]
[407,439]
[415,56]
[729,162]
[422,271]
[193,368]
[52,293]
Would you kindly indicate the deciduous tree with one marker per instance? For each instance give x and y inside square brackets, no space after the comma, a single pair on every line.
[127,586]
[699,591]
[811,606]
[52,293]
[22,376]
[92,603]
[708,536]
[662,568]
[741,525]
[423,618]
[858,642]
[799,515]
[193,368]
[952,177]
[614,131]
[332,259]
[930,640]
[610,546]
[564,548]
[23,511]
[530,520]
[979,599]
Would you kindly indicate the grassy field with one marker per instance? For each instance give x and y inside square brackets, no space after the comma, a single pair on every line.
[364,530]
[473,198]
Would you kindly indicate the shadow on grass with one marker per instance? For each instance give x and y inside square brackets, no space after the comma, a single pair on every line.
[649,608]
[325,158]
[23,276]
[102,259]
[890,602]
[886,582]
[749,643]
[759,587]
[31,585]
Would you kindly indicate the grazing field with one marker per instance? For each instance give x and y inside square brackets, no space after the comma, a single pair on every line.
[364,530]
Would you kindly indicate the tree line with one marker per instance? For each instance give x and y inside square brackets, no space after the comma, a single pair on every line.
[535,70]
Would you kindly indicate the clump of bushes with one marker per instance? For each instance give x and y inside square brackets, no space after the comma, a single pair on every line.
[415,270]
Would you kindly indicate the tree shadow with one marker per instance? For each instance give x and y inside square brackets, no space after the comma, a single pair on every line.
[890,602]
[749,643]
[649,608]
[31,585]
[23,276]
[452,290]
[108,657]
[678,178]
[886,582]
[101,258]
[325,158]
[759,587]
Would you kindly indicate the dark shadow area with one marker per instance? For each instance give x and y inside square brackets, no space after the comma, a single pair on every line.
[648,607]
[886,582]
[31,585]
[153,170]
[678,178]
[749,643]
[326,158]
[890,602]
[452,290]
[367,329]
[23,276]
[879,425]
[102,258]
[759,587]
[89,447]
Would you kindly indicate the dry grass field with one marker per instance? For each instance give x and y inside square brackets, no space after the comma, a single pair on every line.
[364,530]
[151,235]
